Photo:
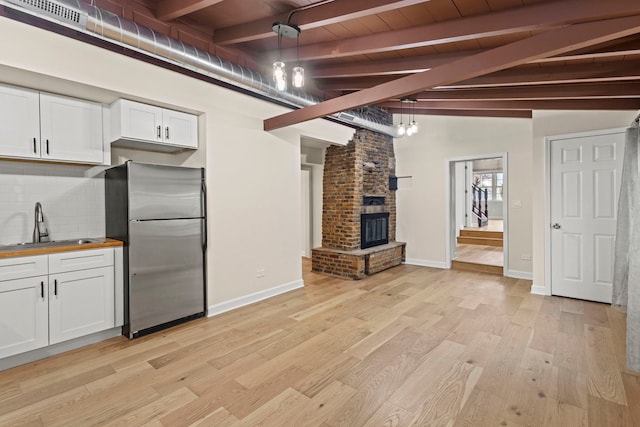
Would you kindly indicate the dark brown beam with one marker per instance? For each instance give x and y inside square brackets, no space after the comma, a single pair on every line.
[559,104]
[421,63]
[561,91]
[386,66]
[318,16]
[534,17]
[549,43]
[172,9]
[520,114]
[558,74]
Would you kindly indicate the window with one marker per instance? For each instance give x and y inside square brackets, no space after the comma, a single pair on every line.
[491,181]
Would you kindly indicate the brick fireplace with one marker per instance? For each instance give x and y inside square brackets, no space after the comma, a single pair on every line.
[359,209]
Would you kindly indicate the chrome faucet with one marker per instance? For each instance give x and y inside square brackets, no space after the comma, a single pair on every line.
[39,235]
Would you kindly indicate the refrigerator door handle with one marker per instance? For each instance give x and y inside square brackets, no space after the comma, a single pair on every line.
[203,188]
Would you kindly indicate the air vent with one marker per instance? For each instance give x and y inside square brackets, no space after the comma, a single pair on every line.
[50,8]
[346,116]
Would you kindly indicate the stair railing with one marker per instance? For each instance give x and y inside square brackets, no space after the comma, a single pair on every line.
[476,206]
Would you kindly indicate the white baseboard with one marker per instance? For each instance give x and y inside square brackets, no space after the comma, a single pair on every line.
[539,290]
[425,263]
[519,274]
[223,307]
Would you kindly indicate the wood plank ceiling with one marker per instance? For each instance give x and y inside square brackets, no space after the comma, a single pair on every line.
[460,57]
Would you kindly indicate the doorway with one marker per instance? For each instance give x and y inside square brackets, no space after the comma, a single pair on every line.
[583,187]
[478,213]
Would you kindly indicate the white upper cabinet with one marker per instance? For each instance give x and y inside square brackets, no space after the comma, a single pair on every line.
[19,122]
[143,126]
[41,126]
[71,129]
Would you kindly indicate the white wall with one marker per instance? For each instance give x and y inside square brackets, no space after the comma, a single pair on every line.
[548,123]
[421,200]
[253,176]
[72,199]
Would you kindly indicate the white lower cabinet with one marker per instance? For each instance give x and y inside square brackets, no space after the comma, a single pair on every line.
[80,303]
[23,315]
[71,294]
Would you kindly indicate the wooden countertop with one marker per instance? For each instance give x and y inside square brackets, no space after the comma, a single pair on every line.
[28,251]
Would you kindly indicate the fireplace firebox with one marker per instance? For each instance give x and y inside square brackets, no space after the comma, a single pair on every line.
[374,229]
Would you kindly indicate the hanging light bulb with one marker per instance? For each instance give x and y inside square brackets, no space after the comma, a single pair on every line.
[401,129]
[413,126]
[410,130]
[298,76]
[280,75]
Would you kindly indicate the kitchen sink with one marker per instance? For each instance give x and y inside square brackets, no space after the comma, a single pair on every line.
[52,244]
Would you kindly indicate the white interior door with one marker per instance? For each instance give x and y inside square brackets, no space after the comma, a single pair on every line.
[585,181]
[305,184]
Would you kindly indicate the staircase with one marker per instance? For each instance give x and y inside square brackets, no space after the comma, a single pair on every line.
[477,236]
[480,251]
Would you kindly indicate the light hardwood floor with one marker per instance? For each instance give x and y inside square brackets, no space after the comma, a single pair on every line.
[409,346]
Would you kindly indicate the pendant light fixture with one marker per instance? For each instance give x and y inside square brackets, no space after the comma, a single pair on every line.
[279,69]
[412,127]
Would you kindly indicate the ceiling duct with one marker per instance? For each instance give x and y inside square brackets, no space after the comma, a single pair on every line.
[105,25]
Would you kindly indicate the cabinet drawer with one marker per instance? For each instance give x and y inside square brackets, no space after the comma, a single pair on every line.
[21,267]
[80,260]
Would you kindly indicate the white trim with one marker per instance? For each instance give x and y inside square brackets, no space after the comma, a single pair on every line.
[540,290]
[426,263]
[519,274]
[51,350]
[547,196]
[449,212]
[223,307]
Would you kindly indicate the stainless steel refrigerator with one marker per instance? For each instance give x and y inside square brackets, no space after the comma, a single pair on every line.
[160,214]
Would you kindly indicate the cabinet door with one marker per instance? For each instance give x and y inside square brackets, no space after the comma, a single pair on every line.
[180,128]
[80,303]
[141,121]
[71,129]
[23,315]
[19,122]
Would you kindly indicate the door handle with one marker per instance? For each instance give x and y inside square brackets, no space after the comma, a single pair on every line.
[167,132]
[42,290]
[159,132]
[556,226]
[34,146]
[47,146]
[55,287]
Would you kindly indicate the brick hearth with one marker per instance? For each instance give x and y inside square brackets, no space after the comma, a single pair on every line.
[361,168]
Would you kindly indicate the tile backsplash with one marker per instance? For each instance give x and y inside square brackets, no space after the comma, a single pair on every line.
[72,199]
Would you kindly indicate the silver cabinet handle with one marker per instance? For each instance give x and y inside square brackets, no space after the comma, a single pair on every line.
[556,226]
[167,132]
[159,130]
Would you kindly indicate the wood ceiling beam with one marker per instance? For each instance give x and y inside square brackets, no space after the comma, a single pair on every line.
[318,16]
[517,20]
[561,91]
[418,64]
[557,74]
[521,114]
[553,42]
[172,9]
[523,105]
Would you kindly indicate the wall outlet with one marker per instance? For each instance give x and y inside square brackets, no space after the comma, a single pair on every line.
[260,272]
[525,257]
